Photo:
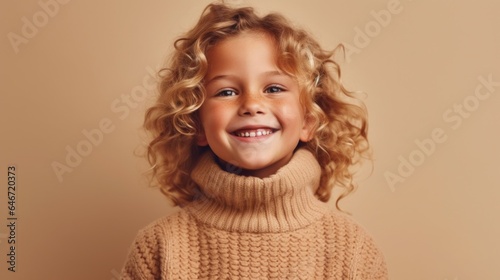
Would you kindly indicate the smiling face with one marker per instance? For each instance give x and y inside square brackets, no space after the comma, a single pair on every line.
[252,116]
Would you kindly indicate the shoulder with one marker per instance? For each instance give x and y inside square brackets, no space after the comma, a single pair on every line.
[159,232]
[344,222]
[161,224]
[161,229]
[148,254]
[365,257]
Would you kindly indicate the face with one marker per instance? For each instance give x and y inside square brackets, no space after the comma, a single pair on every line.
[252,117]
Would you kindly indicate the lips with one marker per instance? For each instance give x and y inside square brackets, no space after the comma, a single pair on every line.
[253,132]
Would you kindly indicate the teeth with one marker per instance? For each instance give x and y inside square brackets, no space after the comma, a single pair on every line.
[256,133]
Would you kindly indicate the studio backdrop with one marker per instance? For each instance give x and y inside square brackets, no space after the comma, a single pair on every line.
[76,77]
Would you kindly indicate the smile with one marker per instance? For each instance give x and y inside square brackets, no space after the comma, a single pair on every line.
[253,133]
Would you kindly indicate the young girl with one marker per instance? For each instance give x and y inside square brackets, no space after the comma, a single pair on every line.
[251,131]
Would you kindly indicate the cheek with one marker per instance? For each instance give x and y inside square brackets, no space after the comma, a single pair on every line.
[205,116]
[213,116]
[291,114]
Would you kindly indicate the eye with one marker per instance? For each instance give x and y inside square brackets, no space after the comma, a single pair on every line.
[274,89]
[226,92]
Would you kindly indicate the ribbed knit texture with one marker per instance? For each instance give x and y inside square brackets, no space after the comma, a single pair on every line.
[250,228]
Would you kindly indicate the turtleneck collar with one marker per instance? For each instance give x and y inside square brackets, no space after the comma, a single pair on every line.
[282,202]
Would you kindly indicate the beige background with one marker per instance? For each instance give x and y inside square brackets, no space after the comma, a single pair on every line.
[89,58]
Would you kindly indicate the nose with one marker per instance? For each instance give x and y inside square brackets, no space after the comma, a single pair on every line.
[251,105]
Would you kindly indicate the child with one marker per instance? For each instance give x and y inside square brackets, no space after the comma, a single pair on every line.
[251,131]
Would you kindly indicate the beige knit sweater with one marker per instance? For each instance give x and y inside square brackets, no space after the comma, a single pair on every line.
[250,228]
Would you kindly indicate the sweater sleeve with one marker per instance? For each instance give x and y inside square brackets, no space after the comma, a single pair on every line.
[146,256]
[368,261]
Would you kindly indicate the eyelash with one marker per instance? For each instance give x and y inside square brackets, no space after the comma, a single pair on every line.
[220,93]
[280,89]
[275,86]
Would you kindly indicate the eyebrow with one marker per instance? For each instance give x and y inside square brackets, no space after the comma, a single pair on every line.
[267,73]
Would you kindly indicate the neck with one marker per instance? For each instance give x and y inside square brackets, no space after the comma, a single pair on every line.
[281,202]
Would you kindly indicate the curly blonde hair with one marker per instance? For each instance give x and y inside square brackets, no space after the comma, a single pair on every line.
[340,132]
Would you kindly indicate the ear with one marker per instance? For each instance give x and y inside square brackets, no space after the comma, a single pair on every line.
[308,128]
[201,139]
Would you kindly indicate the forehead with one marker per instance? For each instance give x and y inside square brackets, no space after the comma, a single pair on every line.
[243,52]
